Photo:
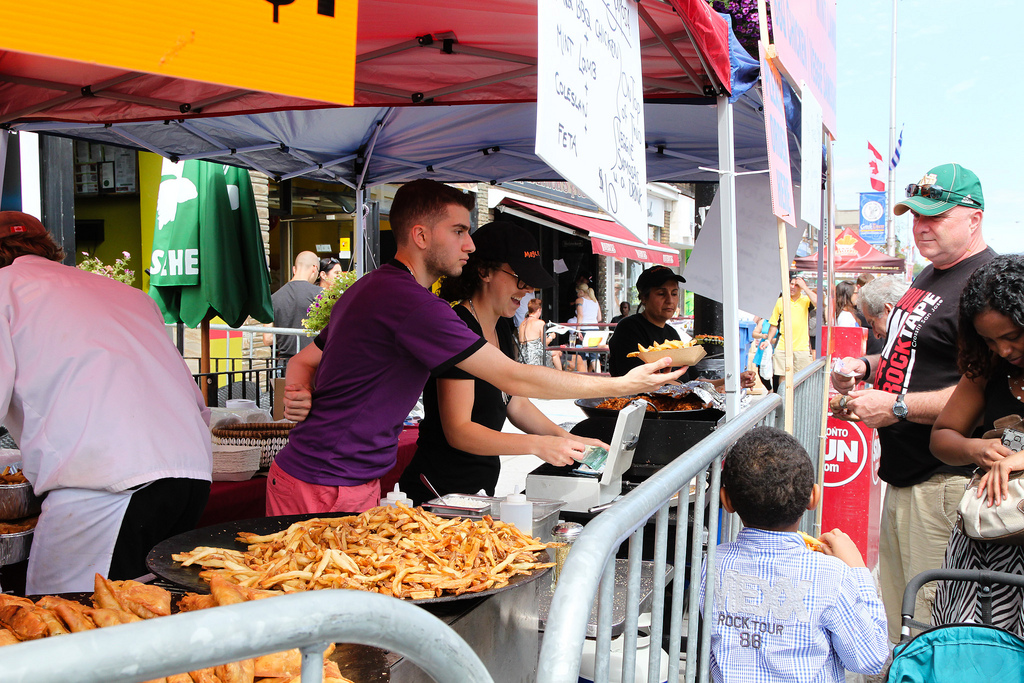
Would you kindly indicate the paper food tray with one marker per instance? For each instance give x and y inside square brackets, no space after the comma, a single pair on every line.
[687,356]
[235,463]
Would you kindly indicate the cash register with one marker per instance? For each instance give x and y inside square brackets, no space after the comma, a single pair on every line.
[582,487]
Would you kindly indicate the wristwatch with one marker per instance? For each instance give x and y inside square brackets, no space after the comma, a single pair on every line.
[899,408]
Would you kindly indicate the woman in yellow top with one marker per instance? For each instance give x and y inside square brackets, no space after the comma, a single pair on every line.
[801,301]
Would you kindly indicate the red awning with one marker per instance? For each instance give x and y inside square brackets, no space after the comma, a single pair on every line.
[854,255]
[607,237]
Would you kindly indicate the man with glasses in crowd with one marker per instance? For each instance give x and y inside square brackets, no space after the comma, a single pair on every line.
[913,378]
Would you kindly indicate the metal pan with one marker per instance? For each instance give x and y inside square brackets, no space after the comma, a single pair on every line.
[590,409]
[223,536]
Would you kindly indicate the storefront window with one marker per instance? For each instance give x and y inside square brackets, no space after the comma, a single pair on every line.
[308,215]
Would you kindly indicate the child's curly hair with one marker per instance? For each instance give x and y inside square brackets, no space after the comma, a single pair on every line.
[769,478]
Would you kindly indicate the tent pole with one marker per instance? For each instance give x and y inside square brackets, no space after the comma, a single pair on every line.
[826,243]
[730,284]
[359,248]
[204,362]
[787,322]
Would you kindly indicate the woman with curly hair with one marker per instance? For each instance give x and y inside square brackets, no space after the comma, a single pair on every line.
[991,358]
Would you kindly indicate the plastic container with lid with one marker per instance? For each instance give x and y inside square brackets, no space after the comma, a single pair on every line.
[395,497]
[517,510]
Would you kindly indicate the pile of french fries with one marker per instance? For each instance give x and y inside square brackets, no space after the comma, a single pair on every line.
[661,346]
[122,602]
[399,551]
[11,475]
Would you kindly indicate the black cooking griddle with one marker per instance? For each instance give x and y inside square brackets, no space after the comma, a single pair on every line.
[223,536]
[590,409]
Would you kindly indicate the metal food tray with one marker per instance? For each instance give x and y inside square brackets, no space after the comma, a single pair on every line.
[224,536]
[15,547]
[542,507]
[487,505]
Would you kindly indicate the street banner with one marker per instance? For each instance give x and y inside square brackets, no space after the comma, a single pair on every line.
[590,116]
[251,45]
[872,217]
[778,141]
[805,38]
[811,157]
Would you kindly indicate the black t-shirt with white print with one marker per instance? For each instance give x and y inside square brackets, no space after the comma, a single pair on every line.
[920,355]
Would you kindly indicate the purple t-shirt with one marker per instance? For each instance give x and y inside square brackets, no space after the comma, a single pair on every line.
[386,336]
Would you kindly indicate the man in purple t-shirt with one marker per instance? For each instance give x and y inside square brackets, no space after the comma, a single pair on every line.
[352,389]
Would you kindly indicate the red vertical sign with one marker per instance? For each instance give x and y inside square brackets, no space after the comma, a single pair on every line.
[852,497]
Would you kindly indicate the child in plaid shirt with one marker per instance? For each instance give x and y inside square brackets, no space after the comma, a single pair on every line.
[782,612]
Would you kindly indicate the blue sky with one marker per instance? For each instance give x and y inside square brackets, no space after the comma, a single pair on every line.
[957,95]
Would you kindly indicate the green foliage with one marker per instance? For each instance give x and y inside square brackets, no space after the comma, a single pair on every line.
[118,271]
[320,310]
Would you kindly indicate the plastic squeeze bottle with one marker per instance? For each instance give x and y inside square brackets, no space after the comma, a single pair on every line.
[517,510]
[395,497]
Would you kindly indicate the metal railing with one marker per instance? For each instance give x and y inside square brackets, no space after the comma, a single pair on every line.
[187,642]
[591,560]
[251,378]
[248,376]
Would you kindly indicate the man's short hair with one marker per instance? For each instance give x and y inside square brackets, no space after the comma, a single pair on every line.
[873,296]
[424,202]
[769,478]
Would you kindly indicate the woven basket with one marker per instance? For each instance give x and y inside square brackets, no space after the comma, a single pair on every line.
[269,437]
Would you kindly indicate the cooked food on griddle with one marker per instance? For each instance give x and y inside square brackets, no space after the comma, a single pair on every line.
[659,402]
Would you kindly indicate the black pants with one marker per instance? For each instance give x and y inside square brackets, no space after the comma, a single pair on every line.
[165,508]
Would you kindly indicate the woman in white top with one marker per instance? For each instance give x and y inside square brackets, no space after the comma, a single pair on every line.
[846,304]
[531,337]
[588,312]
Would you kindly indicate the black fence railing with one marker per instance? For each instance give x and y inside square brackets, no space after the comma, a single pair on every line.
[247,378]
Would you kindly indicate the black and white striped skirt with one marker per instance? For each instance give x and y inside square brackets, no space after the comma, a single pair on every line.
[956,601]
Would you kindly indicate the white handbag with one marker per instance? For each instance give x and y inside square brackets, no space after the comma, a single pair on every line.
[1002,523]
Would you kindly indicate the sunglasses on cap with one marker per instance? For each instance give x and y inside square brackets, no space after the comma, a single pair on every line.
[936,192]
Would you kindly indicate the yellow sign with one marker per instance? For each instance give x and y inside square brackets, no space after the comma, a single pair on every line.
[345,247]
[262,45]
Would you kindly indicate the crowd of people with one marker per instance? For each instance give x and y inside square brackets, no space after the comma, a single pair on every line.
[944,388]
[949,365]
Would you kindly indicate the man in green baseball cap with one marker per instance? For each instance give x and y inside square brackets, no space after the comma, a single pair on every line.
[940,190]
[913,378]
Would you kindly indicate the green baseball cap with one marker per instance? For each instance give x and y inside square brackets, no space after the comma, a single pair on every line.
[940,190]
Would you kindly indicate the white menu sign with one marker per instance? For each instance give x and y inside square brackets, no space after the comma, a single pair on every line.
[590,116]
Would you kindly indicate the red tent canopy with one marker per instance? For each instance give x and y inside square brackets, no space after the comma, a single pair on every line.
[854,255]
[408,52]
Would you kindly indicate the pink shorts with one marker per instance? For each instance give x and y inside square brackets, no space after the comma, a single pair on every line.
[287,495]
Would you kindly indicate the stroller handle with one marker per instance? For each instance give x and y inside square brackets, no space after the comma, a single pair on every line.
[982,576]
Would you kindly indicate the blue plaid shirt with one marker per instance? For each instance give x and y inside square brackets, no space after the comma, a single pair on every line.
[784,613]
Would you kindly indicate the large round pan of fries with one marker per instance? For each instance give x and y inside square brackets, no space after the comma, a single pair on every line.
[404,552]
[681,353]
